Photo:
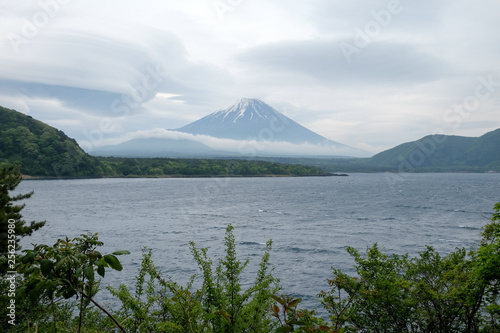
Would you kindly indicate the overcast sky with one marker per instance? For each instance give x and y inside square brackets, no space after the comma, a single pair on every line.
[370,74]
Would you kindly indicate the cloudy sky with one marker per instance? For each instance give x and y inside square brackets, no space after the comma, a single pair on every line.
[370,74]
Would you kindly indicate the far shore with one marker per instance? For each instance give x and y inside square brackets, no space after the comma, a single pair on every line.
[28,177]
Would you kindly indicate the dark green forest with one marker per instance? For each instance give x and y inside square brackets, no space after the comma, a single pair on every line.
[42,150]
[165,167]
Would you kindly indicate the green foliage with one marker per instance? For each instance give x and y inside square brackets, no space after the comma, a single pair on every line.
[221,305]
[159,305]
[65,270]
[487,260]
[168,167]
[246,310]
[10,177]
[40,149]
[429,293]
[289,317]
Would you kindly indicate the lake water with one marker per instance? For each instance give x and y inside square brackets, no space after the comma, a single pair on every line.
[311,220]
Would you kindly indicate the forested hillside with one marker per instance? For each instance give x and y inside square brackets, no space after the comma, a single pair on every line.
[444,153]
[41,150]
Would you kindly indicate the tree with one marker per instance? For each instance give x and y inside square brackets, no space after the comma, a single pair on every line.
[487,267]
[12,225]
[66,270]
[458,292]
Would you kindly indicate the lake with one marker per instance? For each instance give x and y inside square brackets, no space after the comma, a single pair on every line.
[311,220]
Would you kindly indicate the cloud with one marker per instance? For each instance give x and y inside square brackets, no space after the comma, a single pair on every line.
[246,148]
[380,62]
[90,60]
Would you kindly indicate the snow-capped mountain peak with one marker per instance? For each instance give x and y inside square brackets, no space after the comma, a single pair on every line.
[252,119]
[245,122]
[246,109]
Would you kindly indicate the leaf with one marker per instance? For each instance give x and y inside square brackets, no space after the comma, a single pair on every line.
[94,255]
[49,287]
[113,262]
[276,309]
[209,316]
[46,266]
[89,273]
[100,269]
[294,302]
[278,299]
[29,257]
[60,263]
[40,287]
[226,315]
[324,328]
[68,293]
[121,252]
[284,329]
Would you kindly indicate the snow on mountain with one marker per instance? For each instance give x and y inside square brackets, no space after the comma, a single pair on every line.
[248,128]
[252,119]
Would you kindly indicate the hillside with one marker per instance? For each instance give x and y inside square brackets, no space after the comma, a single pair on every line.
[444,153]
[40,149]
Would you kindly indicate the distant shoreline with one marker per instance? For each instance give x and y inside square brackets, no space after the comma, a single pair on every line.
[28,177]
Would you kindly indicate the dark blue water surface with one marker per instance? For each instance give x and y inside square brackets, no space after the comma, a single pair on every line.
[310,220]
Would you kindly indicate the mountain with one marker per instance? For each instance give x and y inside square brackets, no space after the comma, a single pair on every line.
[44,151]
[248,128]
[41,150]
[252,119]
[444,151]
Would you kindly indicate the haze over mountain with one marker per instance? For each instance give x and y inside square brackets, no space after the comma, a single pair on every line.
[250,126]
[157,147]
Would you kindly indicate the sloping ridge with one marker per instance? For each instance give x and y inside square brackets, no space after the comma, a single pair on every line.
[444,151]
[41,150]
